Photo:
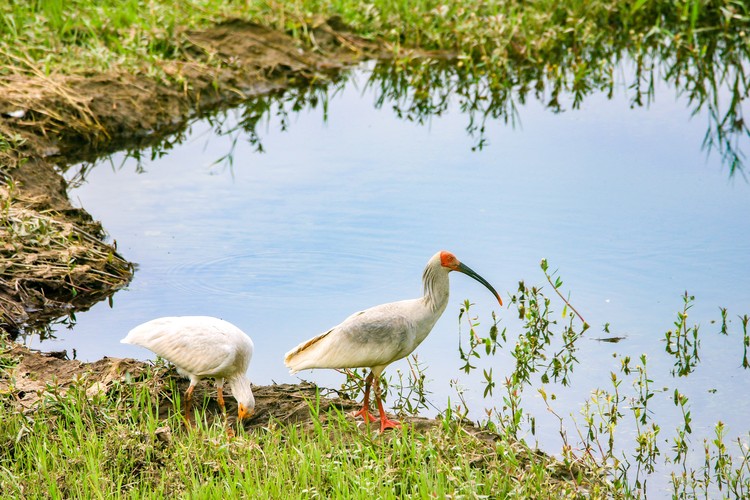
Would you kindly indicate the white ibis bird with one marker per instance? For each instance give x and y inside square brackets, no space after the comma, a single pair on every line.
[376,337]
[202,347]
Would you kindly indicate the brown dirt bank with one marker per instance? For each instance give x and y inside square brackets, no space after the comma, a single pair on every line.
[33,374]
[33,377]
[53,258]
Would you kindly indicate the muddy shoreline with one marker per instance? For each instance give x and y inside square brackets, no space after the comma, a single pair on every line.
[27,382]
[52,122]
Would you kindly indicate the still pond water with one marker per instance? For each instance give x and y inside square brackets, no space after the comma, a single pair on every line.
[347,203]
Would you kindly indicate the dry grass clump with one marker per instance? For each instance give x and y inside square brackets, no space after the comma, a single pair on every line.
[46,261]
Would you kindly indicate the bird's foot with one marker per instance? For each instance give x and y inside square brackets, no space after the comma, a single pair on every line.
[386,423]
[365,414]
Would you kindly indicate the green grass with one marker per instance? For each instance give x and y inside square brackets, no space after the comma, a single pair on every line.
[108,445]
[56,36]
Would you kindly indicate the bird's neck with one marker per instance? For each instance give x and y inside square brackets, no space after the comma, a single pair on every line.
[242,390]
[436,288]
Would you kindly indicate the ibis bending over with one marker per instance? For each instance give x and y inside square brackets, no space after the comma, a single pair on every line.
[201,347]
[378,336]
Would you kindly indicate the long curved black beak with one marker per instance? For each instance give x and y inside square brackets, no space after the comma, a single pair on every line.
[469,272]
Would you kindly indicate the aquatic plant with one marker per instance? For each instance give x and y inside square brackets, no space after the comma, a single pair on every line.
[601,440]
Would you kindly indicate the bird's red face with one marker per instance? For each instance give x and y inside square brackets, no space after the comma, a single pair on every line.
[449,260]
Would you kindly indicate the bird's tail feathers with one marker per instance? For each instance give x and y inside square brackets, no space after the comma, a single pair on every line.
[128,339]
[294,358]
[136,335]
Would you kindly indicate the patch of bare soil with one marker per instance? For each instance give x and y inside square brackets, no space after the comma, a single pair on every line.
[53,257]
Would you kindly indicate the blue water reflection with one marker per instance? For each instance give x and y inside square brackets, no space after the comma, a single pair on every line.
[342,214]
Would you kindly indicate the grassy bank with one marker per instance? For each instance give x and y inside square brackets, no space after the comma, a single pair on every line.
[113,441]
[82,36]
[510,48]
[52,116]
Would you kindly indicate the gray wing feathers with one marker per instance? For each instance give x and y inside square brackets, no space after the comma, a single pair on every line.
[374,337]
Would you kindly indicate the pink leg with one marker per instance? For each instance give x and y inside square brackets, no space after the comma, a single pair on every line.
[385,423]
[365,411]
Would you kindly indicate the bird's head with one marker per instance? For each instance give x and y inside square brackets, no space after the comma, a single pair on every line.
[243,392]
[451,263]
[244,411]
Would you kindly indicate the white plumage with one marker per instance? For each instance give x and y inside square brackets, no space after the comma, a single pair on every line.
[380,335]
[201,347]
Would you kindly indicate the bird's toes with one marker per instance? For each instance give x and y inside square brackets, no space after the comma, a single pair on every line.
[389,424]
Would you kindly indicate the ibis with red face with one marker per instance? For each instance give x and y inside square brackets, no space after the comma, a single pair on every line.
[380,335]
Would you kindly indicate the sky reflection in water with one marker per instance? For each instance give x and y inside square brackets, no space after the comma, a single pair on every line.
[343,214]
